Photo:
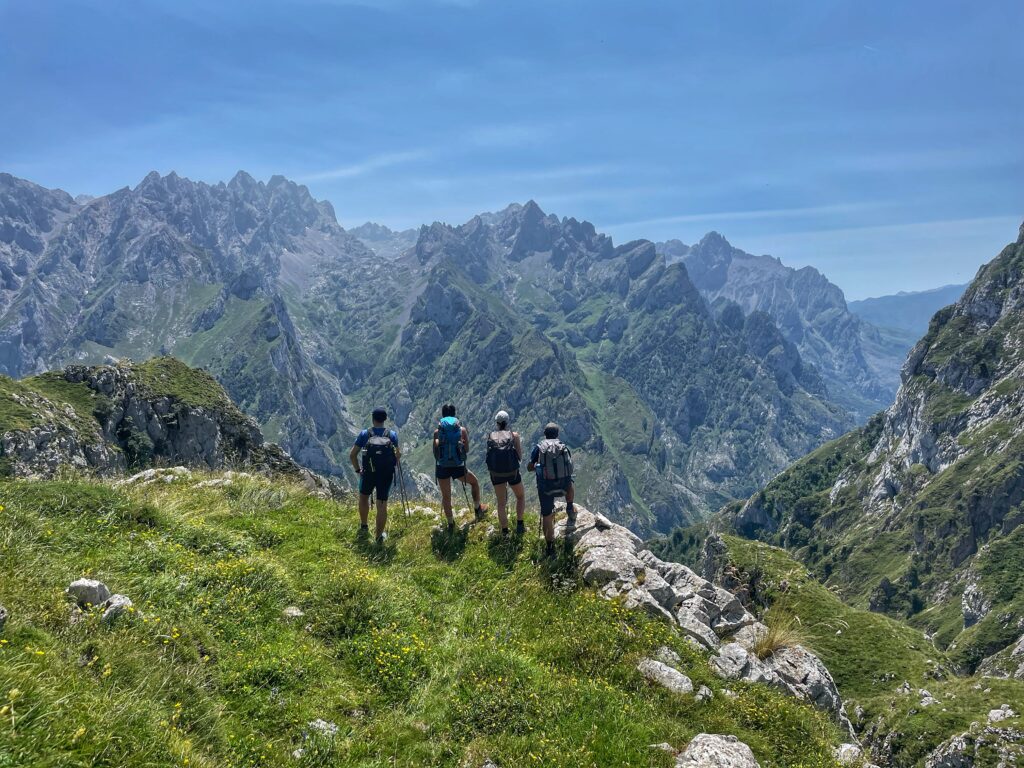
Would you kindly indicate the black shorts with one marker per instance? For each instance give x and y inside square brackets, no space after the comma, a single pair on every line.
[376,482]
[496,481]
[449,473]
[547,499]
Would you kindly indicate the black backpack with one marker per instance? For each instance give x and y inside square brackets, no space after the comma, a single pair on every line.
[502,457]
[379,453]
[555,462]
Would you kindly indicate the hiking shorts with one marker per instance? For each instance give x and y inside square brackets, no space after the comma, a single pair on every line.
[496,481]
[449,473]
[547,499]
[376,482]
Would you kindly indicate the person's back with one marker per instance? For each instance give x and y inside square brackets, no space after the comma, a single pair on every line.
[451,445]
[504,456]
[380,452]
[551,459]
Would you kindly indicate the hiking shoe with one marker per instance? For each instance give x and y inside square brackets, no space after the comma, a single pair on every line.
[504,533]
[382,538]
[549,552]
[364,532]
[451,528]
[480,512]
[520,528]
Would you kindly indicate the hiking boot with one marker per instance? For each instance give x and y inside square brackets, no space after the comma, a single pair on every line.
[364,532]
[549,551]
[451,528]
[381,539]
[570,512]
[520,528]
[480,512]
[504,533]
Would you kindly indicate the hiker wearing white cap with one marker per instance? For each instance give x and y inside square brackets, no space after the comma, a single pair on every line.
[504,457]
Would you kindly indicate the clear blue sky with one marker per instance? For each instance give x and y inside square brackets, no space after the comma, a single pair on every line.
[882,142]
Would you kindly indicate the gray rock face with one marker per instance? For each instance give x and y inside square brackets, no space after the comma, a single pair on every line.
[811,313]
[708,750]
[613,560]
[979,748]
[665,676]
[88,592]
[114,607]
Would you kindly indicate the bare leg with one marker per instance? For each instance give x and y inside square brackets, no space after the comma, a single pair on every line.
[382,517]
[549,528]
[570,511]
[446,498]
[364,509]
[501,491]
[520,500]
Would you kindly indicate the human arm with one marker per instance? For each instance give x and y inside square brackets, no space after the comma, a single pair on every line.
[353,455]
[519,446]
[465,441]
[394,440]
[534,456]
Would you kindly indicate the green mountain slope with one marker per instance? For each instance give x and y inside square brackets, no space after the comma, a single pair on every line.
[880,664]
[919,513]
[423,653]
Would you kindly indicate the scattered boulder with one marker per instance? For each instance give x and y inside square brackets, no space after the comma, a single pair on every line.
[708,750]
[848,754]
[926,698]
[666,655]
[293,612]
[704,694]
[665,676]
[1003,713]
[114,607]
[88,592]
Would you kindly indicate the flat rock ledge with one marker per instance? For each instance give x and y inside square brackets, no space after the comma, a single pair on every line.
[613,559]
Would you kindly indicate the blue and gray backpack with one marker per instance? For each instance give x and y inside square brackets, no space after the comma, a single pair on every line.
[450,451]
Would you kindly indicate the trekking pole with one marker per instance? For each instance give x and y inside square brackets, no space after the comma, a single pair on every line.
[466,494]
[401,487]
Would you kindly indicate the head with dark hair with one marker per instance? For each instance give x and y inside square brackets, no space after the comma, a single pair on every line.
[447,410]
[379,415]
[551,430]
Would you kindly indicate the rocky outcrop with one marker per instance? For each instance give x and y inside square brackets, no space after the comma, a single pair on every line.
[979,747]
[160,411]
[614,560]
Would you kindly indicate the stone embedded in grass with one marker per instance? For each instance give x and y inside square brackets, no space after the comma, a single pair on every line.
[1003,713]
[666,655]
[88,592]
[321,728]
[3,617]
[293,612]
[704,694]
[848,754]
[114,607]
[665,676]
[708,750]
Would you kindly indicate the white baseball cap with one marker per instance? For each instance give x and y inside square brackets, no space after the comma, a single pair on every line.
[501,417]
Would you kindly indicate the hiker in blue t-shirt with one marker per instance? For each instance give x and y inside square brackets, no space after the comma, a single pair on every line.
[379,448]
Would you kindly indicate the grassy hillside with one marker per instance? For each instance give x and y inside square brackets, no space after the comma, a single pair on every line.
[427,652]
[871,656]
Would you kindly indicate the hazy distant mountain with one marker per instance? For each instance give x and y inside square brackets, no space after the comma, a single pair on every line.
[860,366]
[907,310]
[674,406]
[383,240]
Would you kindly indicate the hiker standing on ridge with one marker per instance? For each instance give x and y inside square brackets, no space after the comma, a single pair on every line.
[552,461]
[504,455]
[379,447]
[451,444]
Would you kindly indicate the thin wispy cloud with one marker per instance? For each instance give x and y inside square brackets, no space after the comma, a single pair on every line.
[369,165]
[763,213]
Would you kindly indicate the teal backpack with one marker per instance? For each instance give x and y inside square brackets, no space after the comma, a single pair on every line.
[450,451]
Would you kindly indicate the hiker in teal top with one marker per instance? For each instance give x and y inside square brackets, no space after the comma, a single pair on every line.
[451,444]
[379,447]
